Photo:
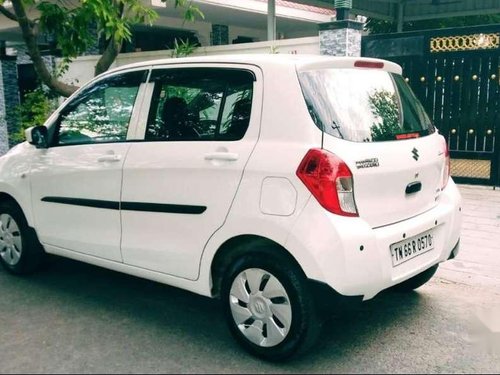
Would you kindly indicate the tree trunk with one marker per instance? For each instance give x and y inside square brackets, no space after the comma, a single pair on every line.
[30,40]
[108,57]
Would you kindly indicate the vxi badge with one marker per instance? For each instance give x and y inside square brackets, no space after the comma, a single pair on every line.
[367,163]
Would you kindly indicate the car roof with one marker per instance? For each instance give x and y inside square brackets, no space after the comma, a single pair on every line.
[300,62]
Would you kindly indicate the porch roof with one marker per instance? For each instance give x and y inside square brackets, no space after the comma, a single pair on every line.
[414,10]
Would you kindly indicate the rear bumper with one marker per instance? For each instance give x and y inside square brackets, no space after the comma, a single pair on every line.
[455,251]
[355,260]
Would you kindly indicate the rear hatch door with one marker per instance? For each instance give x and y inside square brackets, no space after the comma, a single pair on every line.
[393,181]
[372,120]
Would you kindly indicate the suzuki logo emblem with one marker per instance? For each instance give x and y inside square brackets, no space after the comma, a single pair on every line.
[415,154]
[260,307]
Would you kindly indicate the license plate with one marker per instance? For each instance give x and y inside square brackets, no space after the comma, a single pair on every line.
[412,247]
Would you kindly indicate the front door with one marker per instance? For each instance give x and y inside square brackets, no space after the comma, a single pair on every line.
[76,182]
[180,181]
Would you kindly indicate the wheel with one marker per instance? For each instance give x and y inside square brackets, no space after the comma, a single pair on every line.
[268,307]
[20,251]
[416,281]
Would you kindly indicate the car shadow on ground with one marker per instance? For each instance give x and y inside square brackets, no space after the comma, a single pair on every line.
[158,311]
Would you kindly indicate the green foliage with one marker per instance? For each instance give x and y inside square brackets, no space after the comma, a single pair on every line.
[384,105]
[69,26]
[72,27]
[376,26]
[184,48]
[34,111]
[191,12]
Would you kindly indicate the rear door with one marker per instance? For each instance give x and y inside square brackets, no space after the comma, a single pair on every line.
[376,125]
[180,178]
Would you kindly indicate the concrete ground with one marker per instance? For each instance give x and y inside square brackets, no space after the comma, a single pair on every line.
[479,261]
[78,318]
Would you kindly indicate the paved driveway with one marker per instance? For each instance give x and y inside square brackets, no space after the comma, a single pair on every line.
[479,261]
[79,318]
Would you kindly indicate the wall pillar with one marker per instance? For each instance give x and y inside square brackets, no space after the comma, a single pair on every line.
[220,35]
[340,38]
[9,101]
[271,20]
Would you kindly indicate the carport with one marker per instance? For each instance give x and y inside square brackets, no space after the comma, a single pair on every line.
[454,72]
[399,11]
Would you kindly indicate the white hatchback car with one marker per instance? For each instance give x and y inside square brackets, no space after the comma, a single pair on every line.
[272,182]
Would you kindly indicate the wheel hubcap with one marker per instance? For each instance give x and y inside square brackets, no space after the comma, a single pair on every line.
[10,240]
[260,307]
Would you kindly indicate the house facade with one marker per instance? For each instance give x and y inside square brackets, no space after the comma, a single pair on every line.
[226,22]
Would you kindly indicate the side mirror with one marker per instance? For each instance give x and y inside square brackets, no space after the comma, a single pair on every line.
[37,136]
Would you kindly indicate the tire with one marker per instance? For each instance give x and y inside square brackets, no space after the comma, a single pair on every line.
[20,251]
[268,307]
[416,281]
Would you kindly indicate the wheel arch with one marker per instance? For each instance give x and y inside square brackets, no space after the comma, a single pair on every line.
[237,246]
[20,198]
[6,197]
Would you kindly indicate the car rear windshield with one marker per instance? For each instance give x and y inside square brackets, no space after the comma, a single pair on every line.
[364,105]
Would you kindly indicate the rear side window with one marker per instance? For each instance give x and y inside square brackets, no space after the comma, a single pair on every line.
[197,104]
[363,105]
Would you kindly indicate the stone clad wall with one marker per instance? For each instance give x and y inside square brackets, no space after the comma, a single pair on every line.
[4,138]
[9,101]
[341,38]
[9,93]
[220,35]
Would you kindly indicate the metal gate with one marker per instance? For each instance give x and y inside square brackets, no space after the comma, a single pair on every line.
[455,73]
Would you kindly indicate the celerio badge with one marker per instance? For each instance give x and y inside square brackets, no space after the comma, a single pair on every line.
[367,163]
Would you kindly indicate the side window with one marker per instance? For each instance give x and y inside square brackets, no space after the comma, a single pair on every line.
[101,113]
[236,114]
[181,111]
[200,104]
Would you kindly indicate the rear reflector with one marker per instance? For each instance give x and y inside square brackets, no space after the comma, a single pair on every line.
[330,181]
[369,64]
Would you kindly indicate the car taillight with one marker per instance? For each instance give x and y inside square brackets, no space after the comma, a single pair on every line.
[446,168]
[330,181]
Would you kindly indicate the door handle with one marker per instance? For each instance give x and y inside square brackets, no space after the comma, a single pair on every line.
[109,158]
[225,156]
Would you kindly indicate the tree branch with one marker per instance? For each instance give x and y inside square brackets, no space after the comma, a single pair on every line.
[13,17]
[112,49]
[108,57]
[8,14]
[29,37]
